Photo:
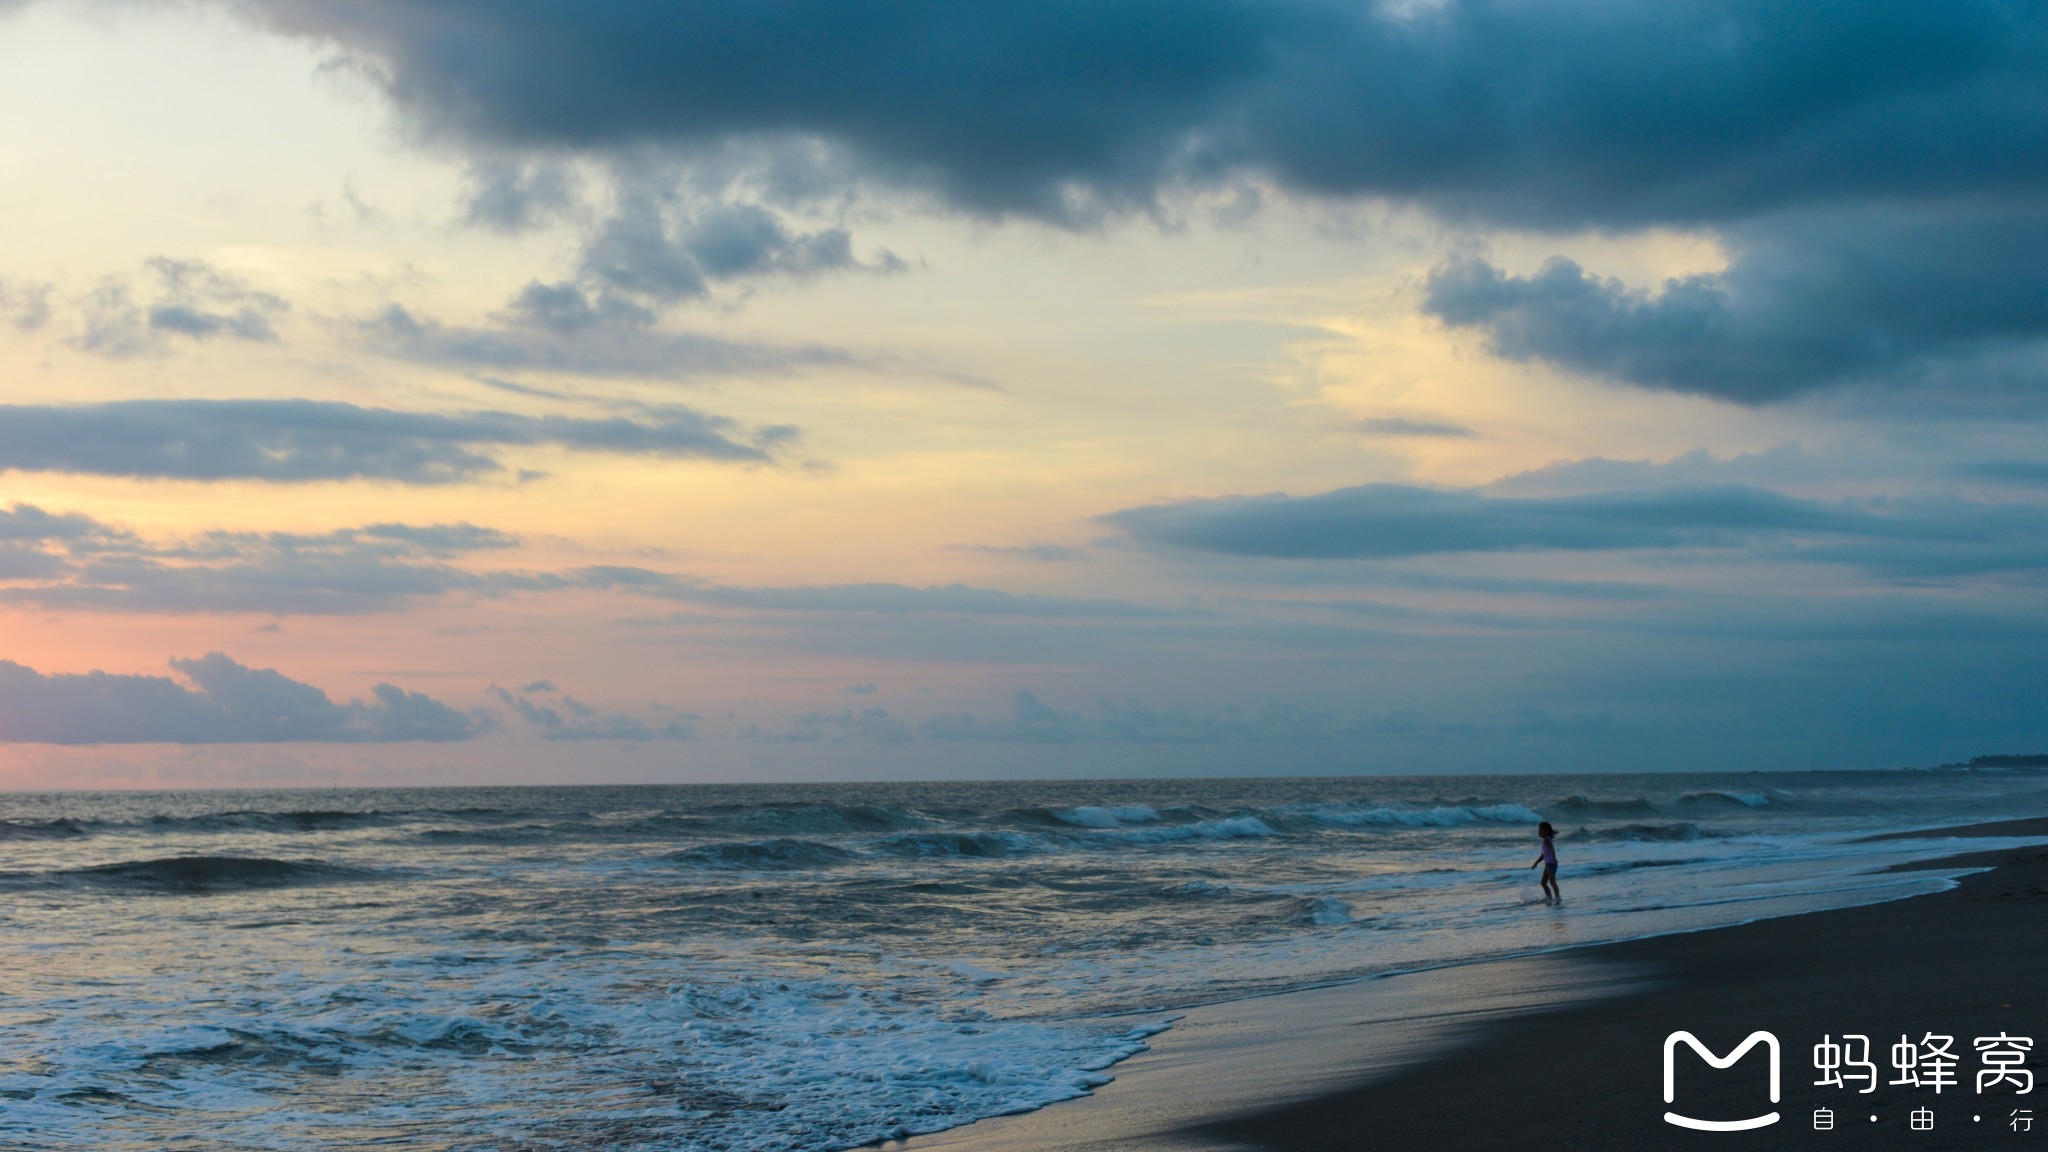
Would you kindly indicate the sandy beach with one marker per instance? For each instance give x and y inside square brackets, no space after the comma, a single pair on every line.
[1564,1051]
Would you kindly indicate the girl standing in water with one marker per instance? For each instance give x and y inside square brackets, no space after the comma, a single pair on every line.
[1548,858]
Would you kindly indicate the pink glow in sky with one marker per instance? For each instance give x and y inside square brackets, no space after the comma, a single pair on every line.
[392,394]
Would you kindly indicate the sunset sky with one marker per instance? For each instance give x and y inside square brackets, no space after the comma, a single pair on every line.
[535,391]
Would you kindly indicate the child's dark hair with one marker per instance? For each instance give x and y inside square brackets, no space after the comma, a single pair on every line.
[1545,830]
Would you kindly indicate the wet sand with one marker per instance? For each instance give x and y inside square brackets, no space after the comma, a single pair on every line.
[1565,1051]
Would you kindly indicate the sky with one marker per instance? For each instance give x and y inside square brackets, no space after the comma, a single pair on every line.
[527,391]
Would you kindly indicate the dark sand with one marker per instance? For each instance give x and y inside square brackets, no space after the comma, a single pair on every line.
[1241,1056]
[1588,1075]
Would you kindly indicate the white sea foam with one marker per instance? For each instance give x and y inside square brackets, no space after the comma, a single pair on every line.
[1094,817]
[1746,799]
[753,1065]
[850,1067]
[1328,910]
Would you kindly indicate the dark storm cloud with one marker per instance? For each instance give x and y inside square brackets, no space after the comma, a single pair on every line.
[1932,538]
[1000,107]
[1780,125]
[1558,113]
[227,703]
[1810,300]
[298,441]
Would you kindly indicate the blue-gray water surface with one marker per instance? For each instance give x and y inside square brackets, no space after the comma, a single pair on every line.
[806,967]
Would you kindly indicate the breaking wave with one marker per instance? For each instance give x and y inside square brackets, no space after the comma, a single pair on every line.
[817,818]
[1323,911]
[1088,817]
[959,844]
[1726,799]
[1228,828]
[1586,805]
[61,829]
[209,873]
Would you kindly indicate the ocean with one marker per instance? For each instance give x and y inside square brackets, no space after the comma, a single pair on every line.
[810,967]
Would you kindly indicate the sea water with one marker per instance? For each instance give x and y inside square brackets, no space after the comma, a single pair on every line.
[808,967]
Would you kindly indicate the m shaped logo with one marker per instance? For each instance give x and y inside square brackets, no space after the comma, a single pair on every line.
[1671,1044]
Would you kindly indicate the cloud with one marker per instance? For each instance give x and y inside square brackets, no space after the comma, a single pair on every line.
[298,441]
[1425,581]
[24,304]
[663,232]
[1386,521]
[78,563]
[1810,301]
[1402,426]
[865,599]
[1877,168]
[663,241]
[1557,113]
[424,539]
[509,195]
[193,300]
[559,328]
[2020,473]
[226,703]
[1046,552]
[572,719]
[73,561]
[653,248]
[996,108]
[867,724]
[21,522]
[1782,467]
[33,542]
[1392,521]
[565,309]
